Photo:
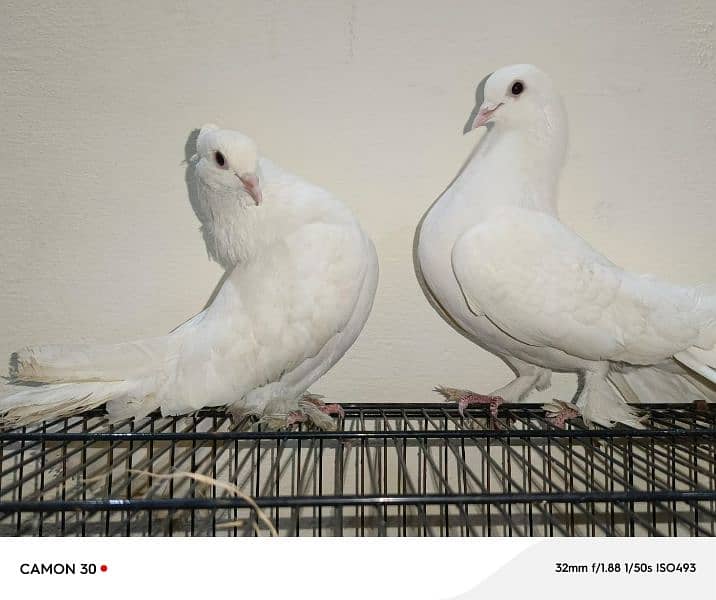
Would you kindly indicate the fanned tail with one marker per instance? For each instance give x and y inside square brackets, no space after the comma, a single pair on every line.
[54,381]
[31,404]
[670,382]
[85,362]
[700,361]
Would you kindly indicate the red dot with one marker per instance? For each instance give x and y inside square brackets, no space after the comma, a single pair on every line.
[103,568]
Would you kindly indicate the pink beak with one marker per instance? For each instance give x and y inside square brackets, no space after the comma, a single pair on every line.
[484,115]
[251,185]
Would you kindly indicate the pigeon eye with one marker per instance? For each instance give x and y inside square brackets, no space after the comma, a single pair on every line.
[517,88]
[219,158]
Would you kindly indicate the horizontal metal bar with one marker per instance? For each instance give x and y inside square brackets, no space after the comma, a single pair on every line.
[118,504]
[681,434]
[380,408]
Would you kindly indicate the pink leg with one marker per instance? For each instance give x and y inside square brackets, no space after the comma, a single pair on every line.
[493,402]
[332,409]
[465,398]
[559,418]
[328,409]
[296,417]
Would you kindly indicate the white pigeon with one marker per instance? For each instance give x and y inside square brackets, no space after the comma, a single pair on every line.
[498,264]
[301,278]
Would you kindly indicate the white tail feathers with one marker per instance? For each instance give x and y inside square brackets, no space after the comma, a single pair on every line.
[39,403]
[701,361]
[80,377]
[670,382]
[84,362]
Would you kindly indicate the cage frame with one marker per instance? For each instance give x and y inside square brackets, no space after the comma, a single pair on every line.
[671,429]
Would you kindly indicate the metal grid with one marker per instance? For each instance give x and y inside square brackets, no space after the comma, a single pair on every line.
[389,470]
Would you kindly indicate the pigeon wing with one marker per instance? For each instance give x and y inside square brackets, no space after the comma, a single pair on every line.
[545,286]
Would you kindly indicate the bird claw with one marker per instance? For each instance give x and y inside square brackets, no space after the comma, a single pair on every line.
[296,417]
[493,402]
[558,413]
[333,409]
[465,398]
[327,409]
[313,410]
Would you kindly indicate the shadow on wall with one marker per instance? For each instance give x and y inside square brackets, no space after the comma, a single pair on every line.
[189,152]
[479,99]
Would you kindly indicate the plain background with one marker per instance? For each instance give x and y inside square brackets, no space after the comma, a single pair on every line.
[98,241]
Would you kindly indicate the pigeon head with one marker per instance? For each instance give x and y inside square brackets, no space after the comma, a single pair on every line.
[228,160]
[519,96]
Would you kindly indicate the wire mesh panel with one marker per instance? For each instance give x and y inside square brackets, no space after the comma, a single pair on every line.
[388,470]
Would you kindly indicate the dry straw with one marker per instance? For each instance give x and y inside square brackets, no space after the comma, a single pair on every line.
[229,487]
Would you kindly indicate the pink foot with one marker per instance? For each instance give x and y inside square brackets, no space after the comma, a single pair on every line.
[296,417]
[328,409]
[558,413]
[332,409]
[465,398]
[493,401]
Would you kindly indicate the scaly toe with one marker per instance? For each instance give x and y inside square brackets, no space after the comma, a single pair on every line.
[558,413]
[317,401]
[296,417]
[464,398]
[492,401]
[332,409]
[451,394]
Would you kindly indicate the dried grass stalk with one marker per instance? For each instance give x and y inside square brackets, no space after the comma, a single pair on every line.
[224,485]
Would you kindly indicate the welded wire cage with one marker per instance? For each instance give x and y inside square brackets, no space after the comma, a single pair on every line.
[388,470]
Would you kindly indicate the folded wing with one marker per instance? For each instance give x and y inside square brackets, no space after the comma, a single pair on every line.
[545,286]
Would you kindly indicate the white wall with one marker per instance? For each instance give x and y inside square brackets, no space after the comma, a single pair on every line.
[97,238]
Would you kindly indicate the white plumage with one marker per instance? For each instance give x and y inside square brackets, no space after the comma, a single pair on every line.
[499,265]
[301,278]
